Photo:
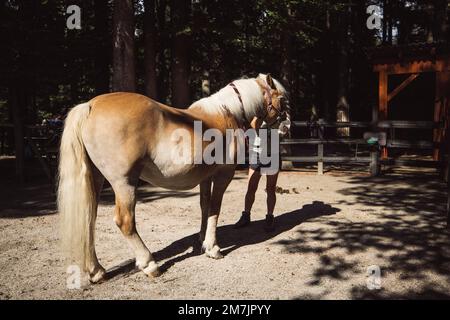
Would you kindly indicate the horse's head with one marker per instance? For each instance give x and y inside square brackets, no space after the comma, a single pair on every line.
[276,107]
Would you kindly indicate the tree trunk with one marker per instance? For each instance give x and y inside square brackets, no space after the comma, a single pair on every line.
[163,44]
[150,49]
[342,107]
[385,21]
[440,28]
[389,21]
[16,100]
[180,65]
[325,67]
[286,55]
[286,76]
[200,20]
[123,51]
[103,50]
[430,23]
[403,27]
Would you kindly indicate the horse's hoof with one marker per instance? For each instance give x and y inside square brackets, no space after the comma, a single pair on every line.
[98,276]
[214,253]
[152,270]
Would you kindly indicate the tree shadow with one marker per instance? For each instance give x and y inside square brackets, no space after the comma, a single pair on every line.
[231,239]
[146,193]
[402,192]
[35,197]
[33,200]
[426,293]
[408,235]
[38,198]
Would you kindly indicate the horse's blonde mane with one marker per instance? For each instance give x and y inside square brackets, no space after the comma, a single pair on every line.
[251,95]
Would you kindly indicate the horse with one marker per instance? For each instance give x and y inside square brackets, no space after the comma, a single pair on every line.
[126,137]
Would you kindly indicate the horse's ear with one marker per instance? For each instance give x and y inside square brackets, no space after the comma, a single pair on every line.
[270,82]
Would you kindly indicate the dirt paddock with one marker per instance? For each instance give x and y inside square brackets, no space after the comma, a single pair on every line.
[329,230]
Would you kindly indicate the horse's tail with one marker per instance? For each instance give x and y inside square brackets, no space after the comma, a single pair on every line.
[76,192]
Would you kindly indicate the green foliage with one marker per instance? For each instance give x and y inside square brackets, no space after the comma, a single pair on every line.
[229,39]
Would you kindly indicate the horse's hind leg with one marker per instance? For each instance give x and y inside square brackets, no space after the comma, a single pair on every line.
[125,219]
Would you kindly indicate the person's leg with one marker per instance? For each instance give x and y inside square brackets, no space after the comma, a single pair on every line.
[253,180]
[252,186]
[271,186]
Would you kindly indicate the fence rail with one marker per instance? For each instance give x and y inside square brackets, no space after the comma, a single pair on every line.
[318,129]
[385,124]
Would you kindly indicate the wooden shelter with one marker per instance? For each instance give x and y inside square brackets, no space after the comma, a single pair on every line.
[414,60]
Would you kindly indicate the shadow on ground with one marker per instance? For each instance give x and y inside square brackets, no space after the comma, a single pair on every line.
[231,239]
[408,234]
[40,199]
[37,195]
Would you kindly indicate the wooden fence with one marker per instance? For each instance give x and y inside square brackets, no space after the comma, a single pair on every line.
[374,160]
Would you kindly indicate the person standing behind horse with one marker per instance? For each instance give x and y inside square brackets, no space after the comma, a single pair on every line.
[255,172]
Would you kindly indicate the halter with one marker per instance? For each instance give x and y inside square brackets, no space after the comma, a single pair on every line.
[270,106]
[268,99]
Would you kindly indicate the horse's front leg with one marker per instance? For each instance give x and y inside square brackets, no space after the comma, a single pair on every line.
[205,204]
[220,184]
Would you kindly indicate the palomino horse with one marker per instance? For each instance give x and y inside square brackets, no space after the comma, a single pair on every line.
[124,137]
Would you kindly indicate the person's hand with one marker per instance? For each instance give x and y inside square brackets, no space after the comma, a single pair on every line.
[284,127]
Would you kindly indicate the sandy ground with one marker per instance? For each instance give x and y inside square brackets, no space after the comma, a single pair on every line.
[330,230]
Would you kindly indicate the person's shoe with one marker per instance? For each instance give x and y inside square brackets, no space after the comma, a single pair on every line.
[243,221]
[270,223]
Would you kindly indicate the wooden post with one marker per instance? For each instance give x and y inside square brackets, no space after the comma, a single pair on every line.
[320,162]
[374,162]
[321,136]
[383,102]
[374,167]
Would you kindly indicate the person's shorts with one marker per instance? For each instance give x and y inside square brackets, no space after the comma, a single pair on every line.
[257,165]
